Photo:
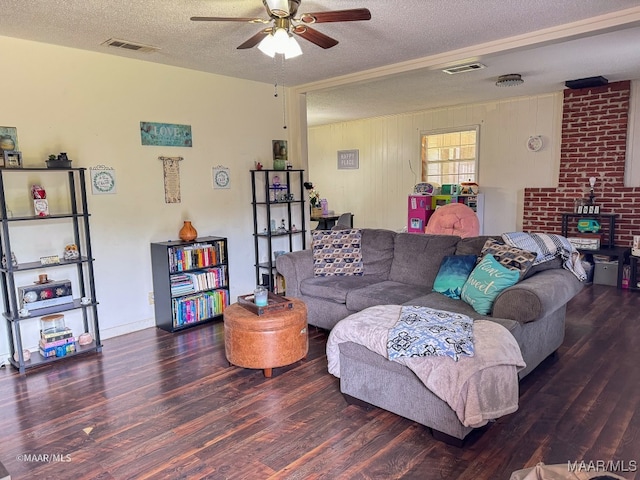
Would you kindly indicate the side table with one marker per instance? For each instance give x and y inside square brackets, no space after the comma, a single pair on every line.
[265,341]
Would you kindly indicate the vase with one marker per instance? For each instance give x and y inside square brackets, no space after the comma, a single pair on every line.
[188,232]
[316,212]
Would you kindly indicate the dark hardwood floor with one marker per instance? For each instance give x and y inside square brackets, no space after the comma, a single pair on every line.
[160,405]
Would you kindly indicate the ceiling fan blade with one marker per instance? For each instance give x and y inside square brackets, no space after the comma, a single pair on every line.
[255,40]
[229,19]
[314,36]
[351,15]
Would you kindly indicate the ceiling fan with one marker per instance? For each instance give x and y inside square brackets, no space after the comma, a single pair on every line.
[282,14]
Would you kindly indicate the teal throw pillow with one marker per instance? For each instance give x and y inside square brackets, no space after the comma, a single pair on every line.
[453,273]
[485,283]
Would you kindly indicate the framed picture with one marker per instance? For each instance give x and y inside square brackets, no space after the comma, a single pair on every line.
[580,208]
[11,159]
[591,208]
[596,209]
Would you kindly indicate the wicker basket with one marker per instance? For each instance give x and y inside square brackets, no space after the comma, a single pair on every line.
[316,212]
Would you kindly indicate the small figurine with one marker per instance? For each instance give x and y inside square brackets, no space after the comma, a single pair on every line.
[283,226]
[293,228]
[71,252]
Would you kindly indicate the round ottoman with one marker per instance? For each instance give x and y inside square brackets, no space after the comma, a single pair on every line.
[265,341]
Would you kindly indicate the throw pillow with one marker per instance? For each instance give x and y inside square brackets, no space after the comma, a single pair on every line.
[337,252]
[453,272]
[511,257]
[485,283]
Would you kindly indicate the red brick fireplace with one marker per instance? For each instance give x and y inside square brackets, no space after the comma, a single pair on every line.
[594,141]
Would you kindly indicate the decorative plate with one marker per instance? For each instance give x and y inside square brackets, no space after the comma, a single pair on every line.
[534,143]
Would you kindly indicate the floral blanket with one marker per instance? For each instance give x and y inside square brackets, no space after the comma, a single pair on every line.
[423,331]
[478,388]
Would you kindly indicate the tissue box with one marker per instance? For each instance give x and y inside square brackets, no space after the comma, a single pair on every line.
[46,294]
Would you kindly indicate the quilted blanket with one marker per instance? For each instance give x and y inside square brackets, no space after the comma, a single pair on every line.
[546,247]
[479,388]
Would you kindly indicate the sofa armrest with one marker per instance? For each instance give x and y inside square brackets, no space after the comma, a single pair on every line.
[536,296]
[295,267]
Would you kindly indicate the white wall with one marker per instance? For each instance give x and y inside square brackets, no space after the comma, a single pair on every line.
[89,105]
[390,159]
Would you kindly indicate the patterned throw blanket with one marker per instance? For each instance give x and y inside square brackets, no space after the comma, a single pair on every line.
[423,331]
[547,247]
[478,388]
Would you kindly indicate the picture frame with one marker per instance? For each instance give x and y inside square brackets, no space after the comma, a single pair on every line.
[591,209]
[596,209]
[580,209]
[11,159]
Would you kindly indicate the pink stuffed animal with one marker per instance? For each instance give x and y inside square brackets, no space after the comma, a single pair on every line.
[454,219]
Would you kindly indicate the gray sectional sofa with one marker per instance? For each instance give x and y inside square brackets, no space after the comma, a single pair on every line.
[400,269]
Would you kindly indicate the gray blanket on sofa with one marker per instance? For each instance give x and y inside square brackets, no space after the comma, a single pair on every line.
[479,388]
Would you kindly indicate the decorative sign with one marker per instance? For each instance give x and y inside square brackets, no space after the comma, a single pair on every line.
[50,260]
[165,134]
[221,178]
[103,180]
[171,168]
[348,159]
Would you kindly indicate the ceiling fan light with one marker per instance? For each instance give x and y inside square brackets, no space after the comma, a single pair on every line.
[509,80]
[280,8]
[293,49]
[268,46]
[281,40]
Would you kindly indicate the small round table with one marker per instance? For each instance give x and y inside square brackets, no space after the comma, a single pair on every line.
[266,341]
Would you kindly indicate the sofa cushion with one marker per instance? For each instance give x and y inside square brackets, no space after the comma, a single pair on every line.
[417,257]
[511,257]
[473,245]
[485,283]
[337,252]
[335,288]
[377,251]
[452,274]
[382,293]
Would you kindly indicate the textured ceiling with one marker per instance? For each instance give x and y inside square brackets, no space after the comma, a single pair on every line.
[414,33]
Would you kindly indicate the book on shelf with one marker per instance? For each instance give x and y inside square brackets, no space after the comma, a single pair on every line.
[57,335]
[197,255]
[191,282]
[51,352]
[56,343]
[198,307]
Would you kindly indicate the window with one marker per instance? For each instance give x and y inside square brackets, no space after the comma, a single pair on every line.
[450,156]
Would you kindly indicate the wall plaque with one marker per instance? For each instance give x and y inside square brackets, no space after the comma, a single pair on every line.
[165,134]
[348,159]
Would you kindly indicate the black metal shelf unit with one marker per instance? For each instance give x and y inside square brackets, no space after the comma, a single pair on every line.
[78,218]
[276,194]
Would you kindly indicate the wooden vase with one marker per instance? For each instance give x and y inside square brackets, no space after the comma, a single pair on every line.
[187,232]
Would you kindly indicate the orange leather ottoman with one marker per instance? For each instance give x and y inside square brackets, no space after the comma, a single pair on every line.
[266,341]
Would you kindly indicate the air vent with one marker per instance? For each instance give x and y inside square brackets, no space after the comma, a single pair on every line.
[136,47]
[468,67]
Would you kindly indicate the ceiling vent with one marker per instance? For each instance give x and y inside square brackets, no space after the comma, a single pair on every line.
[136,47]
[467,67]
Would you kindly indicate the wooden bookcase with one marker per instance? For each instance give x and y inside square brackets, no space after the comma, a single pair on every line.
[190,282]
[70,217]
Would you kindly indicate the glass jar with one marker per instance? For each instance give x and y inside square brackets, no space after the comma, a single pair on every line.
[260,295]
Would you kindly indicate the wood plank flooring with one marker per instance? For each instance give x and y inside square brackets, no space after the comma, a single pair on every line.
[168,406]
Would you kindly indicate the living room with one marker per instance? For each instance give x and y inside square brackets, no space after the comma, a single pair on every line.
[90,105]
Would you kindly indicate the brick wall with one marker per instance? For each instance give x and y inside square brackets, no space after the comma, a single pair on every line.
[594,140]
